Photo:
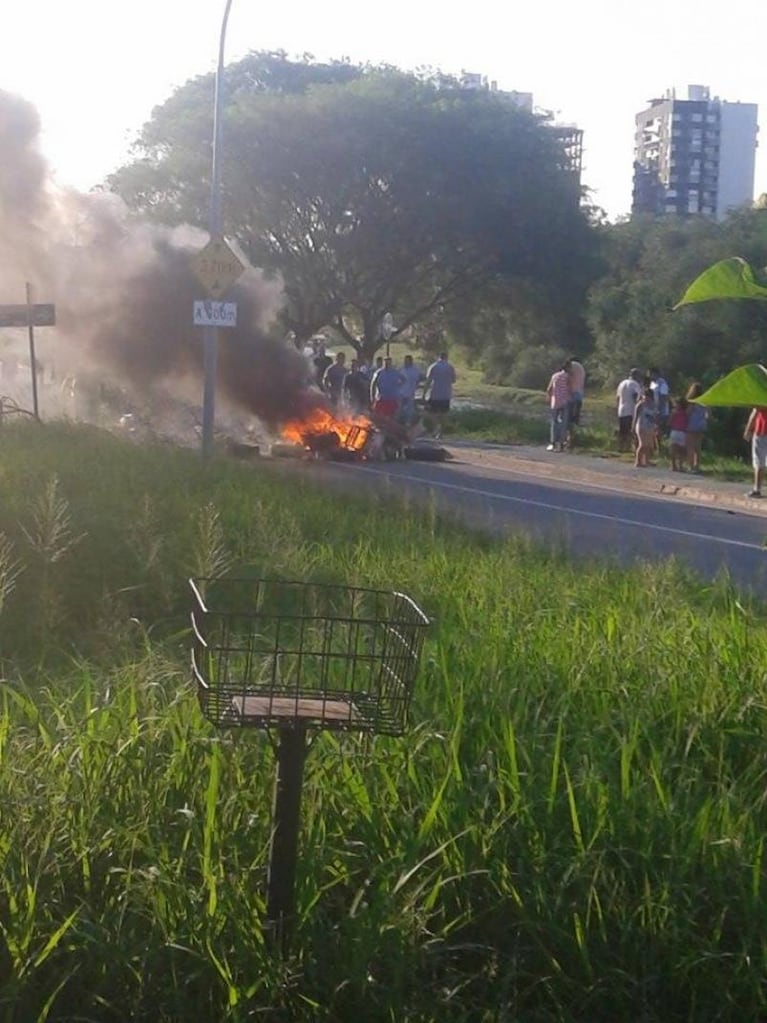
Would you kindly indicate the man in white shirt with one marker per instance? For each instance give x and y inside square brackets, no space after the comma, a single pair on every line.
[627,395]
[660,390]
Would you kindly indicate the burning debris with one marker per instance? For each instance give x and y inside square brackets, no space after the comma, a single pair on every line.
[322,434]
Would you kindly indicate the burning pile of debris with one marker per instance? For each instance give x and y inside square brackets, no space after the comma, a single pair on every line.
[325,434]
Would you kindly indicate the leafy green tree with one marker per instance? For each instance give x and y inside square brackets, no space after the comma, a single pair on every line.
[169,177]
[520,331]
[650,262]
[367,190]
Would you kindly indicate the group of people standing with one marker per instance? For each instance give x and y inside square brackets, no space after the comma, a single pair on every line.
[647,415]
[565,393]
[384,388]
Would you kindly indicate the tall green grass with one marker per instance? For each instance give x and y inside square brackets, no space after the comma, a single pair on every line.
[572,829]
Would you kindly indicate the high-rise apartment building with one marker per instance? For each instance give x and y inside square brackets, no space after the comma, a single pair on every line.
[694,155]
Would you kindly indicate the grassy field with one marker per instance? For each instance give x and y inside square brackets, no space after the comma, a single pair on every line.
[572,829]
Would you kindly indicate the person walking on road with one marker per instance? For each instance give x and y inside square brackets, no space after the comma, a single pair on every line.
[756,432]
[558,391]
[628,393]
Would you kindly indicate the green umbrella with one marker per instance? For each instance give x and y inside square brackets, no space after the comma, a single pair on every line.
[745,387]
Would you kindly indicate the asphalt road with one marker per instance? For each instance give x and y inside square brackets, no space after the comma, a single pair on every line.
[588,520]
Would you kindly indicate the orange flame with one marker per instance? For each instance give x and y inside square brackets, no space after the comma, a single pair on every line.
[352,431]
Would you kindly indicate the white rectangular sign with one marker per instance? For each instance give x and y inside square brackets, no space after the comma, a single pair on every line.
[208,313]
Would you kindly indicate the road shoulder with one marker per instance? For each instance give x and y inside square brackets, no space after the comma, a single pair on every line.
[609,473]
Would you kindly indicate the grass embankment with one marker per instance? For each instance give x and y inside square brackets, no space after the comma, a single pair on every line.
[573,829]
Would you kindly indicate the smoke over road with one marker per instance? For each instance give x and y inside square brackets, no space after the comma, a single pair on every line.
[124,290]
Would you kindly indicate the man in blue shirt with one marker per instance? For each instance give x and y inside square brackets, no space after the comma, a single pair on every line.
[440,378]
[385,388]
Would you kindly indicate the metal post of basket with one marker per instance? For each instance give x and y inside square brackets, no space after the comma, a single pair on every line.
[295,656]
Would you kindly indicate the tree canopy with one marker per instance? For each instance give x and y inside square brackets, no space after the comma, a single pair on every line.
[368,190]
[649,264]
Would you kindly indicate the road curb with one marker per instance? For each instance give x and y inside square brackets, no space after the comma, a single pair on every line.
[563,467]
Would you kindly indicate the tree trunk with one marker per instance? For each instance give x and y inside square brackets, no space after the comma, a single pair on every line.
[369,347]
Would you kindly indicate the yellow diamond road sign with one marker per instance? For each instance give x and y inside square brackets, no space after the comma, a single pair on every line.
[217,266]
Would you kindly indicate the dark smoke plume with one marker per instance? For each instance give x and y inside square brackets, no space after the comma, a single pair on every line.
[124,290]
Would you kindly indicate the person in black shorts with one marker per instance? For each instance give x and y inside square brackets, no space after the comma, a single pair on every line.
[440,378]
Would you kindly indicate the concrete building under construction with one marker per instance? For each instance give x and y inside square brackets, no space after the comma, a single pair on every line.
[570,136]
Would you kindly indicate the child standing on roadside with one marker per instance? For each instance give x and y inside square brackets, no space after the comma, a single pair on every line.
[678,434]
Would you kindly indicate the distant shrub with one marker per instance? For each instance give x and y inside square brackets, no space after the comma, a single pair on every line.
[533,366]
[724,435]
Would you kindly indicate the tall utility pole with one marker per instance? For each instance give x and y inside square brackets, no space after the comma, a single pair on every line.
[210,334]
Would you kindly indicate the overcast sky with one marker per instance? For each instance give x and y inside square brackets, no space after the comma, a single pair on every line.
[95,70]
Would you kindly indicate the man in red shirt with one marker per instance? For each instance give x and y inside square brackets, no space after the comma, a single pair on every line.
[756,432]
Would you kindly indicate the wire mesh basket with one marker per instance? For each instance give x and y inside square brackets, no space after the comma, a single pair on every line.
[269,653]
